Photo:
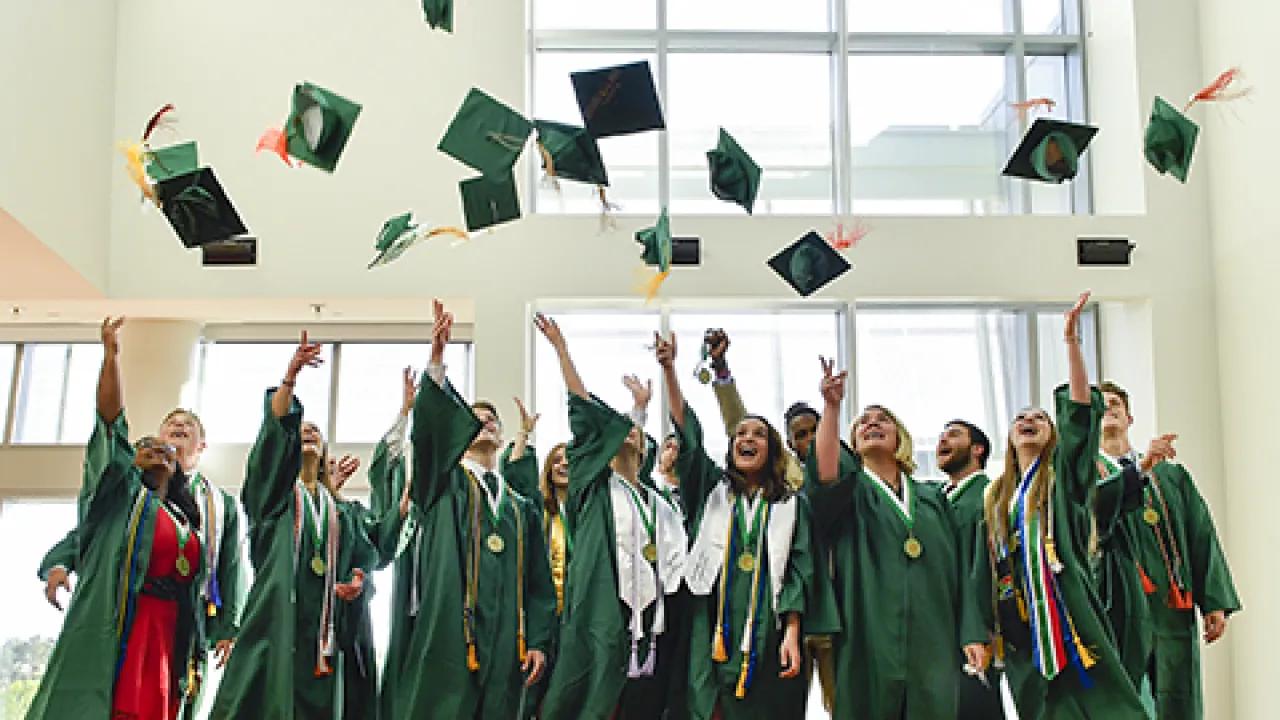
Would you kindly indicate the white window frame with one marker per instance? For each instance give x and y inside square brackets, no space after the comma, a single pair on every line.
[1015,46]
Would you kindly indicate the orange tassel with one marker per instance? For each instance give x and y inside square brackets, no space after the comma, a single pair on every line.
[606,221]
[156,121]
[472,663]
[1180,599]
[456,232]
[649,288]
[549,168]
[322,667]
[133,154]
[275,140]
[741,692]
[718,652]
[1216,91]
[1148,587]
[524,651]
[1024,107]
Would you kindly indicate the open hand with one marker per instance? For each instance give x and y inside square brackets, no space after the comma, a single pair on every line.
[640,392]
[832,385]
[410,396]
[549,329]
[111,335]
[343,470]
[665,350]
[1160,450]
[441,331]
[527,423]
[1071,329]
[307,354]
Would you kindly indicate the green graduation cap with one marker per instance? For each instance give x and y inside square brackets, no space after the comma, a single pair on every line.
[573,153]
[489,201]
[394,239]
[319,126]
[1050,151]
[809,264]
[166,162]
[735,177]
[1170,140]
[198,208]
[656,242]
[618,100]
[486,135]
[439,14]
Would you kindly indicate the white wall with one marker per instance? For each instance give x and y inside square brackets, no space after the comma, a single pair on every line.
[57,72]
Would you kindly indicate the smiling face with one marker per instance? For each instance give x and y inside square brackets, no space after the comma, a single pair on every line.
[559,463]
[1031,431]
[312,440]
[183,431]
[955,449]
[800,433]
[751,446]
[154,456]
[875,431]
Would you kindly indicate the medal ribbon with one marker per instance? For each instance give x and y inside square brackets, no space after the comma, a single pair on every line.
[750,634]
[316,511]
[906,508]
[179,525]
[1172,566]
[302,496]
[749,533]
[650,518]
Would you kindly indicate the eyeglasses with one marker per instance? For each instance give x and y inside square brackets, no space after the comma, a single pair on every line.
[151,443]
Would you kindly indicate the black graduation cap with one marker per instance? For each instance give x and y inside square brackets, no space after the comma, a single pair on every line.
[809,264]
[619,100]
[198,208]
[1050,151]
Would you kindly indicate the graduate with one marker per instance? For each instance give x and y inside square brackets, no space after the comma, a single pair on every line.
[752,569]
[128,648]
[897,569]
[484,617]
[1161,564]
[307,557]
[1035,579]
[615,652]
[659,473]
[553,490]
[223,587]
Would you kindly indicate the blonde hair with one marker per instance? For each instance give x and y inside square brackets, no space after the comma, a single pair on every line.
[1000,493]
[905,454]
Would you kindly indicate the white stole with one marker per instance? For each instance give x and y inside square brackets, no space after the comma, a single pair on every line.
[707,557]
[209,496]
[638,583]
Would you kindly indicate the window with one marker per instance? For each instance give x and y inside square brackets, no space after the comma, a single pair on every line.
[8,359]
[235,375]
[933,365]
[28,624]
[56,393]
[849,106]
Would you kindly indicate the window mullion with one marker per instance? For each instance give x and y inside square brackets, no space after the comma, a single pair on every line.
[842,139]
[62,404]
[334,369]
[664,140]
[16,386]
[1032,319]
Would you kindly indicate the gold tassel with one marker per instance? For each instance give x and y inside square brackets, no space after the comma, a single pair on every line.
[524,652]
[213,610]
[1022,607]
[1051,554]
[742,679]
[1087,656]
[649,287]
[549,168]
[454,231]
[472,663]
[133,154]
[718,652]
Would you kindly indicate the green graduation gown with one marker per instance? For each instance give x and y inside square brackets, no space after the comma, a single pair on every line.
[679,605]
[590,678]
[977,701]
[805,591]
[427,674]
[63,554]
[1154,639]
[80,678]
[522,476]
[899,654]
[1110,695]
[272,672]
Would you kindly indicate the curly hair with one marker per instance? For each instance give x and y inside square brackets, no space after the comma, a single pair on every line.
[774,477]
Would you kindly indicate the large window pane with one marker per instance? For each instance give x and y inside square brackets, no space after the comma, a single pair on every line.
[1042,16]
[929,16]
[632,160]
[28,624]
[929,128]
[236,377]
[773,355]
[606,345]
[800,15]
[370,384]
[8,356]
[778,107]
[1047,78]
[56,393]
[593,14]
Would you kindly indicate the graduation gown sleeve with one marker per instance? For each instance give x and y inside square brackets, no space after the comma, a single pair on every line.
[1211,585]
[442,431]
[63,554]
[383,523]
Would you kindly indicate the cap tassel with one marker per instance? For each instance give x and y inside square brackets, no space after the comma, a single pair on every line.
[633,667]
[157,121]
[1148,587]
[454,231]
[1180,599]
[1022,607]
[133,153]
[549,169]
[997,651]
[1088,658]
[1216,91]
[1051,555]
[718,652]
[322,667]
[1025,107]
[606,220]
[741,692]
[649,288]
[275,140]
[472,663]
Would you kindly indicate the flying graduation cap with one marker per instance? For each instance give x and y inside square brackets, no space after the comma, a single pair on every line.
[1170,140]
[809,264]
[735,177]
[198,208]
[399,234]
[618,100]
[439,14]
[570,153]
[486,135]
[656,244]
[1050,151]
[175,160]
[489,200]
[318,128]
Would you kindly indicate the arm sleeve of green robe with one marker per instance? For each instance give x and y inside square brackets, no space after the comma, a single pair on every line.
[274,463]
[1077,453]
[698,473]
[109,479]
[364,554]
[386,484]
[732,411]
[1118,494]
[980,586]
[1211,583]
[233,582]
[831,501]
[968,618]
[597,433]
[522,474]
[806,586]
[540,602]
[63,555]
[443,427]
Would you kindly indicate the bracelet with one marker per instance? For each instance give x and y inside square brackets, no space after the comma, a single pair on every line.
[1073,339]
[288,383]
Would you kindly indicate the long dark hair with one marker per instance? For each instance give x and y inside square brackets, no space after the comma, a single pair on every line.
[774,476]
[179,494]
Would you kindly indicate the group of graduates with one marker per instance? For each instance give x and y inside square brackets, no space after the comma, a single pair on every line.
[632,579]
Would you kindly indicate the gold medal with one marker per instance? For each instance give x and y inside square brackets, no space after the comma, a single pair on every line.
[495,543]
[183,565]
[317,565]
[912,548]
[704,376]
[747,562]
[1151,516]
[651,553]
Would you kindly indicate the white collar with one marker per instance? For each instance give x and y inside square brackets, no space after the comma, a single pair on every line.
[888,489]
[478,471]
[954,490]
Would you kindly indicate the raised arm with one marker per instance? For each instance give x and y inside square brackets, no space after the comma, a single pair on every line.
[110,395]
[1079,373]
[715,345]
[306,355]
[527,424]
[108,456]
[665,351]
[551,331]
[827,439]
[276,457]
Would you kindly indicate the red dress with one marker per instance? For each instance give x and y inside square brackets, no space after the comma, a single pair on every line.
[143,689]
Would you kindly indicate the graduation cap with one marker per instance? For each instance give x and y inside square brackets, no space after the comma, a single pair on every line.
[174,160]
[399,234]
[735,177]
[319,126]
[234,252]
[486,135]
[1170,140]
[439,14]
[809,264]
[618,100]
[656,243]
[198,208]
[571,153]
[489,201]
[1050,151]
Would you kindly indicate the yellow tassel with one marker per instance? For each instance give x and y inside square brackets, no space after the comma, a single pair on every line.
[1022,608]
[524,652]
[472,663]
[213,610]
[549,168]
[1051,554]
[133,153]
[742,679]
[455,232]
[1087,656]
[997,648]
[718,653]
[650,286]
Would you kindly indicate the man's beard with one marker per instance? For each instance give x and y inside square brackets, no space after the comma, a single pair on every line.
[959,459]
